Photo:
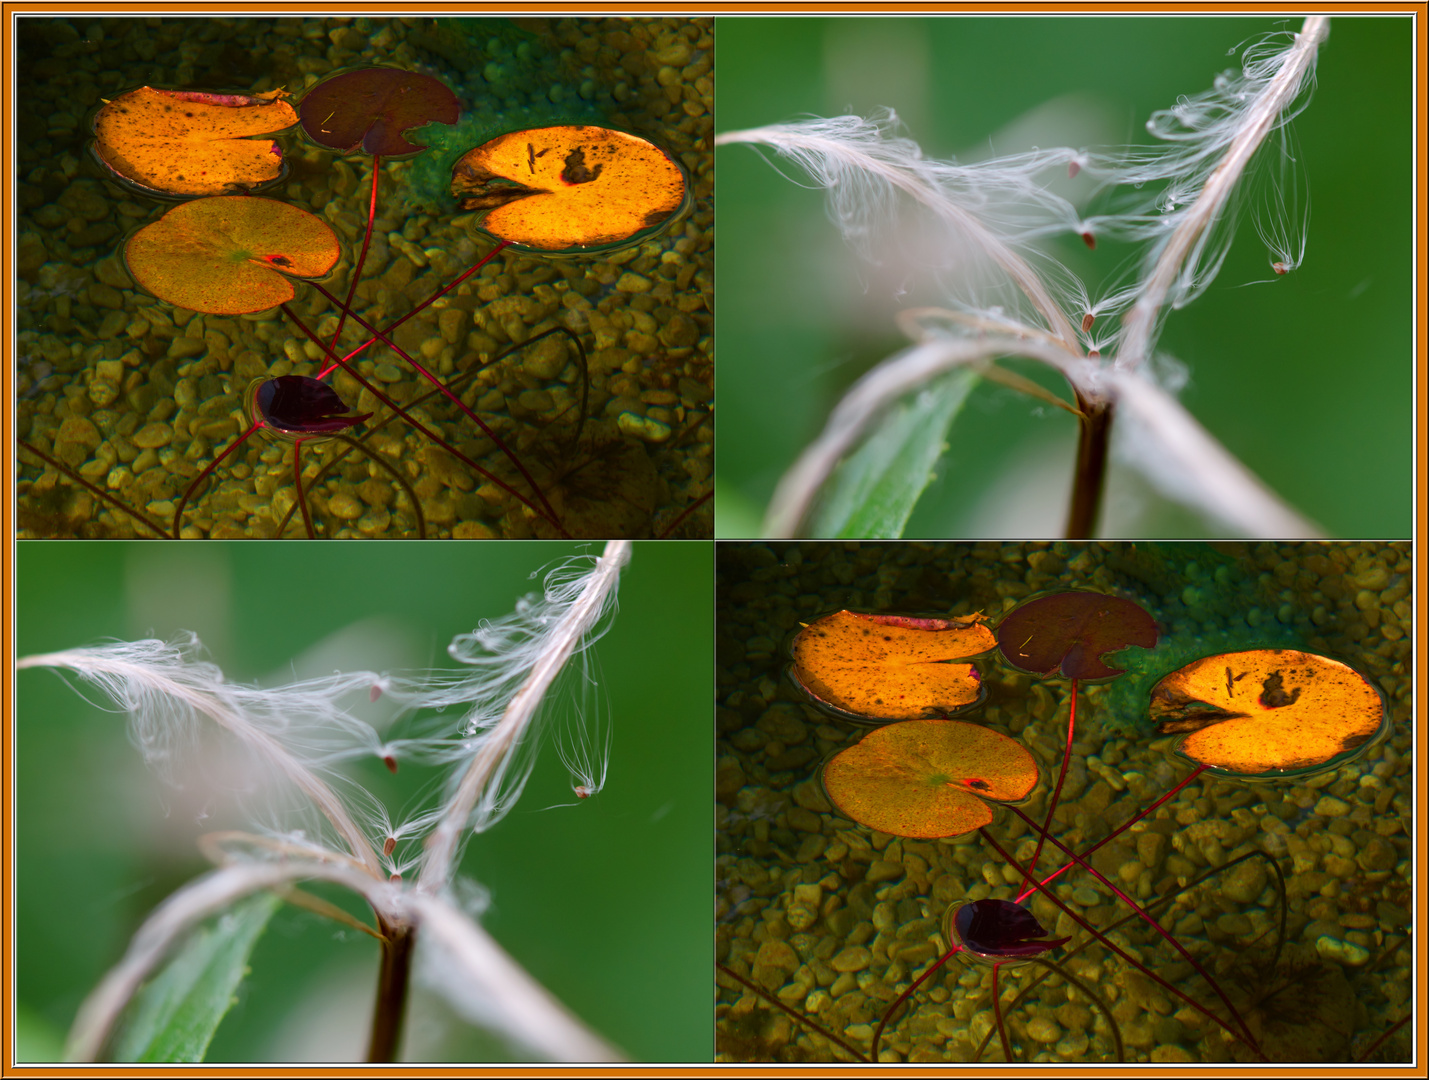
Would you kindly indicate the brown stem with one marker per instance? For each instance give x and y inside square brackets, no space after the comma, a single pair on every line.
[65,470]
[1090,475]
[393,978]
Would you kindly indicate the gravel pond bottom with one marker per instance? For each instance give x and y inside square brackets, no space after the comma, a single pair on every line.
[835,920]
[135,397]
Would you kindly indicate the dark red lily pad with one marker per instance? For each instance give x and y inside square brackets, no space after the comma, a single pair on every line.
[369,109]
[1070,632]
[999,928]
[301,404]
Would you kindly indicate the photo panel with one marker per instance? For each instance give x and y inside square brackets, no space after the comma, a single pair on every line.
[1086,803]
[363,277]
[191,705]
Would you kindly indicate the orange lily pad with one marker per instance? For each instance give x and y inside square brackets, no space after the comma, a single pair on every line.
[569,187]
[928,778]
[890,667]
[186,143]
[1267,710]
[230,255]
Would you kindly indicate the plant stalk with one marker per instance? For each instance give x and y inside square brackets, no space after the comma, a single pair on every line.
[393,978]
[1089,477]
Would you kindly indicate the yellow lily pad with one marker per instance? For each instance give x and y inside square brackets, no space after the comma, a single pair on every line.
[570,187]
[928,778]
[1267,710]
[890,667]
[230,255]
[186,143]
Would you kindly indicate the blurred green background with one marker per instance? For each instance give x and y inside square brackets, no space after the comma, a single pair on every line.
[1306,378]
[606,902]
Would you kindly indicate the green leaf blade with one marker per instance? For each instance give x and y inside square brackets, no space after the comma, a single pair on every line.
[178,1011]
[873,492]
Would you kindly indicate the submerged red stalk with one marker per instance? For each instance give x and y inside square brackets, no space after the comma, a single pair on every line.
[405,415]
[234,445]
[425,303]
[344,308]
[1057,791]
[442,388]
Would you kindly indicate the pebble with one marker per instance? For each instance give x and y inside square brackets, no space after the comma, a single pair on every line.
[536,401]
[803,820]
[1073,1045]
[680,332]
[106,296]
[345,505]
[630,282]
[1246,881]
[854,958]
[102,391]
[1331,807]
[882,870]
[1341,952]
[784,722]
[1171,1053]
[547,358]
[643,427]
[1044,1029]
[153,436]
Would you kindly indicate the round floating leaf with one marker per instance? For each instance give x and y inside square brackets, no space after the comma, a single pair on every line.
[230,255]
[998,928]
[1267,710]
[180,142]
[1071,631]
[890,667]
[368,109]
[298,403]
[568,187]
[928,778]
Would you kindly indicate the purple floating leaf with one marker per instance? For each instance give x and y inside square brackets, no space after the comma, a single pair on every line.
[1071,632]
[1002,928]
[298,403]
[370,108]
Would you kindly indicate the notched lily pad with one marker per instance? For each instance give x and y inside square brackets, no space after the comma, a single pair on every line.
[890,667]
[928,778]
[369,109]
[1268,711]
[569,187]
[998,929]
[230,255]
[303,405]
[1070,632]
[186,143]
